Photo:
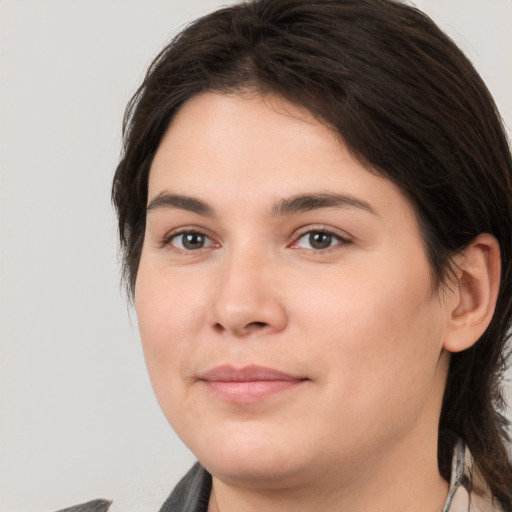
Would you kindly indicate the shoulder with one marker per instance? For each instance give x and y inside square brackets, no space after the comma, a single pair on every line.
[90,506]
[468,492]
[473,502]
[192,493]
[472,494]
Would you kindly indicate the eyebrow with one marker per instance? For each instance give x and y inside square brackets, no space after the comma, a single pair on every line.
[191,204]
[307,202]
[296,204]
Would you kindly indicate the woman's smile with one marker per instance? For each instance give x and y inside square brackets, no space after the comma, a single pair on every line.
[248,384]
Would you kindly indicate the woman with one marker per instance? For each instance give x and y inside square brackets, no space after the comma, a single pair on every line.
[314,206]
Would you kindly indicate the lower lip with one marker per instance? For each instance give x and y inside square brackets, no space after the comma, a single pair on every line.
[250,391]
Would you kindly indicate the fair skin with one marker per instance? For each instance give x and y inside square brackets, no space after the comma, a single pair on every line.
[291,326]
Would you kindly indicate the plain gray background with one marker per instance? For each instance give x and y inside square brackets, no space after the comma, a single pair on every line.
[78,418]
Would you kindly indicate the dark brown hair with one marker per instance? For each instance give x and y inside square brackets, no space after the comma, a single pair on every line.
[409,105]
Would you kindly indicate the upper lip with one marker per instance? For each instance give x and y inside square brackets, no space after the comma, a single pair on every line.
[251,373]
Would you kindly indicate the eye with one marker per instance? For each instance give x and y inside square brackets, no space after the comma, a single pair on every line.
[190,241]
[318,240]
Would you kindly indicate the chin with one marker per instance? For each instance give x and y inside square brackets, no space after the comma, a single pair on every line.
[262,473]
[251,458]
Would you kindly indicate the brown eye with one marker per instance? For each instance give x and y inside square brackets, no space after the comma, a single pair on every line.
[191,241]
[319,240]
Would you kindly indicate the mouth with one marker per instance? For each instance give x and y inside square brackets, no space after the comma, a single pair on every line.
[249,384]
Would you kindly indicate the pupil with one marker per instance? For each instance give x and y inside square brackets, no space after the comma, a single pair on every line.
[320,240]
[193,241]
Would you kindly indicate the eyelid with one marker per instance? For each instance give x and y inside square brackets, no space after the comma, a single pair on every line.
[342,236]
[166,240]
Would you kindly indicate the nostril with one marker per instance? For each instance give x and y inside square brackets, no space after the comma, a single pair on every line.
[244,330]
[255,325]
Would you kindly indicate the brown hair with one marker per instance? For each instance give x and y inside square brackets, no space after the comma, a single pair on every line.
[409,105]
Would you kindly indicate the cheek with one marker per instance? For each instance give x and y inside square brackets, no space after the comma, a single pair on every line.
[169,306]
[377,333]
[170,312]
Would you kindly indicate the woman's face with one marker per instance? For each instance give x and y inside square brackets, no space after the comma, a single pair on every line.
[285,303]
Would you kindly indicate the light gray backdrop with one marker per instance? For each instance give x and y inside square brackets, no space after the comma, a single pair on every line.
[78,418]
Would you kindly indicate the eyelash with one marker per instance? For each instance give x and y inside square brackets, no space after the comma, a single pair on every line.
[168,239]
[333,237]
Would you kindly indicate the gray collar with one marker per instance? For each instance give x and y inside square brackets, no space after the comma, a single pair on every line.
[457,476]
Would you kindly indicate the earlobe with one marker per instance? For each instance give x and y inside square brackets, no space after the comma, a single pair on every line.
[475,293]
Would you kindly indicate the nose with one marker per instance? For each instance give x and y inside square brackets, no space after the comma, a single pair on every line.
[247,300]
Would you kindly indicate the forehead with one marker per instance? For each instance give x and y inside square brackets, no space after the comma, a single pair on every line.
[254,148]
[243,127]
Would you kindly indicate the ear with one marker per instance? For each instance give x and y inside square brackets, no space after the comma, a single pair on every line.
[478,269]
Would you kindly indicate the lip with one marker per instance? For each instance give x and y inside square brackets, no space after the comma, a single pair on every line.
[248,384]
